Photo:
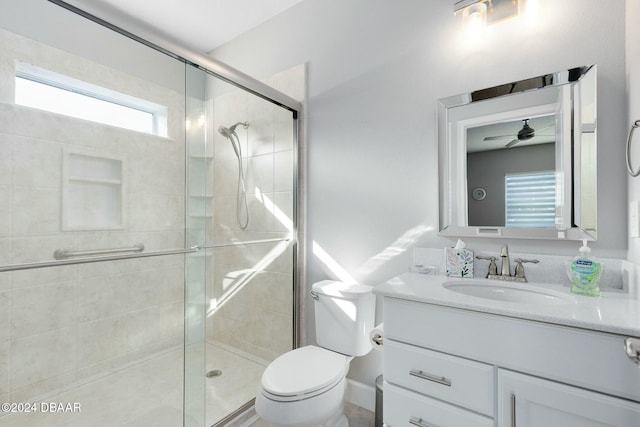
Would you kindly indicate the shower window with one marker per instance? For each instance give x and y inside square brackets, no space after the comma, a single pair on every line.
[45,90]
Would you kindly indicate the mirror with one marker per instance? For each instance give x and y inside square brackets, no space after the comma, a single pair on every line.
[519,160]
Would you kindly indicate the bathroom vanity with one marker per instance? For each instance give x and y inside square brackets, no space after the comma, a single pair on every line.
[555,359]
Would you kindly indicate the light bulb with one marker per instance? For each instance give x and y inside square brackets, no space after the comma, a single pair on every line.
[475,17]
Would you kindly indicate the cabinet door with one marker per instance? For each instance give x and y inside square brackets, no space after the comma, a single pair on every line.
[526,401]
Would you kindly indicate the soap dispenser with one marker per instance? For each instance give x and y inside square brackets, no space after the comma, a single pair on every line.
[585,273]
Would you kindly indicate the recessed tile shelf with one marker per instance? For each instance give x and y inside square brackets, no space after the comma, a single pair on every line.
[93,196]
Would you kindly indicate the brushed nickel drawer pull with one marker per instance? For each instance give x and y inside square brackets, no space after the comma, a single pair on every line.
[422,375]
[632,348]
[419,423]
[513,410]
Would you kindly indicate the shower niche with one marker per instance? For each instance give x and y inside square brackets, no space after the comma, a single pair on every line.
[93,192]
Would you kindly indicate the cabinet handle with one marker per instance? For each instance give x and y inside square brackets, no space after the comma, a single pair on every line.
[513,410]
[422,375]
[419,423]
[632,348]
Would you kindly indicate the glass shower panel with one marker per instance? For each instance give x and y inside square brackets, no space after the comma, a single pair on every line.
[250,294]
[199,214]
[95,344]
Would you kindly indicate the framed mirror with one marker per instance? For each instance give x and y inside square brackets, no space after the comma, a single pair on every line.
[519,160]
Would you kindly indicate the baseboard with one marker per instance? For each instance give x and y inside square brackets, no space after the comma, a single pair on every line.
[361,395]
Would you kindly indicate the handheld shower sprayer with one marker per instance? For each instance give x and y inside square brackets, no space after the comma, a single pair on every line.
[241,192]
[227,132]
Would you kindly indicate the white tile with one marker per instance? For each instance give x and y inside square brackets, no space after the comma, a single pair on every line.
[45,56]
[260,212]
[43,308]
[283,171]
[7,79]
[102,297]
[283,130]
[6,163]
[42,276]
[101,340]
[40,357]
[149,154]
[5,211]
[261,126]
[36,211]
[4,367]
[5,259]
[283,211]
[37,163]
[5,317]
[226,170]
[154,212]
[43,125]
[259,173]
[144,328]
[155,287]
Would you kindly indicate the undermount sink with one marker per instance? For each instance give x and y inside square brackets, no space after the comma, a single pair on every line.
[507,291]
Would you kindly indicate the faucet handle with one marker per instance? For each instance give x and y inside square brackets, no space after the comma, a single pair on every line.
[493,268]
[520,267]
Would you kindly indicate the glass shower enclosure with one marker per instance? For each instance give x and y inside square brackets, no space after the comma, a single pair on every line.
[147,228]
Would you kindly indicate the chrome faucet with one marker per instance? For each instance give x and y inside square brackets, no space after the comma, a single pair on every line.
[505,268]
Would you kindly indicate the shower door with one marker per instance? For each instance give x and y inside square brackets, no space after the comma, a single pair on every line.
[147,229]
[245,212]
[92,168]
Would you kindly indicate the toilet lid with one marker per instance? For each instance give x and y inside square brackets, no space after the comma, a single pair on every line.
[304,370]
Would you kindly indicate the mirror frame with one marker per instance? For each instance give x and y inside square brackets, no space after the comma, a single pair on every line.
[582,121]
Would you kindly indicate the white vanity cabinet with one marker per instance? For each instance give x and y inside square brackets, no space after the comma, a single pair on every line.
[447,366]
[527,401]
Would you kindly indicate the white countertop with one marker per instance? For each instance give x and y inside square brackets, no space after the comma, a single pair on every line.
[614,312]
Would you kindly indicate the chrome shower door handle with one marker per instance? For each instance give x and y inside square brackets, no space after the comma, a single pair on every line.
[632,348]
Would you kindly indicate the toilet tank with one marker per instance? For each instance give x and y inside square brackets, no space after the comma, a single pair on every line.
[344,313]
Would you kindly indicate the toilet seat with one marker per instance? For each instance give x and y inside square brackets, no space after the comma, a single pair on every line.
[303,373]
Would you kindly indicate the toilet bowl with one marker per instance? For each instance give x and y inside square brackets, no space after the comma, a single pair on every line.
[305,387]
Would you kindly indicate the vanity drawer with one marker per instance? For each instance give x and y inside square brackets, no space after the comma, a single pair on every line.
[453,379]
[565,354]
[403,408]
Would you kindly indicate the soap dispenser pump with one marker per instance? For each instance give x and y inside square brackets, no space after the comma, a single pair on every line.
[585,273]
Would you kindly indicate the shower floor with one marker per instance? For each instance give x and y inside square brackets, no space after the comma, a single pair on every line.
[148,394]
[236,386]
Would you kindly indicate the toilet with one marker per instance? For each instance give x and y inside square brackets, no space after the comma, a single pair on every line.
[305,387]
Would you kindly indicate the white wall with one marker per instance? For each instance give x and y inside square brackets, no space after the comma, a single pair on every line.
[376,70]
[633,98]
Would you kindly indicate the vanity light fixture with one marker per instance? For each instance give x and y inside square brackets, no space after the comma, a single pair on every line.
[477,13]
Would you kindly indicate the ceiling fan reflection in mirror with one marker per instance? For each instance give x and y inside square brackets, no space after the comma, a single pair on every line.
[524,134]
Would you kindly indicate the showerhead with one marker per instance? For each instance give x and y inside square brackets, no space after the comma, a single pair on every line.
[227,132]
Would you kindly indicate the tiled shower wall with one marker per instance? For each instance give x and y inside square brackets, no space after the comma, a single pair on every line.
[258,319]
[62,325]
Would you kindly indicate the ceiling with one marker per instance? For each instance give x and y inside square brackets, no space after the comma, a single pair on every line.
[544,126]
[200,25]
